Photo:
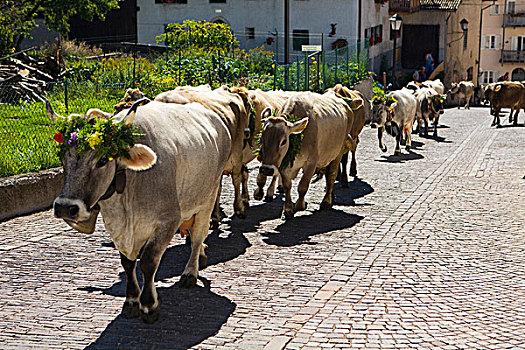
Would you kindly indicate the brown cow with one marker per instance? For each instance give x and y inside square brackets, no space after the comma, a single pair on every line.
[234,110]
[507,95]
[326,124]
[360,115]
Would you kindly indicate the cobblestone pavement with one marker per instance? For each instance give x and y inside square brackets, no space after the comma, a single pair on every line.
[424,251]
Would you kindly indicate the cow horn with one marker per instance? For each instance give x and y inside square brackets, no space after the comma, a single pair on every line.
[95,113]
[51,113]
[128,119]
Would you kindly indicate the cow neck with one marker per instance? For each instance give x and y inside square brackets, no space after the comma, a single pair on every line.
[118,184]
[391,114]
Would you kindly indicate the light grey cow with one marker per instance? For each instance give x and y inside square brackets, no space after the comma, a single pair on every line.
[170,181]
[396,118]
[464,90]
[429,108]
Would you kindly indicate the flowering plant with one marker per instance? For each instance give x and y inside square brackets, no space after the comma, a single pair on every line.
[383,98]
[108,139]
[438,98]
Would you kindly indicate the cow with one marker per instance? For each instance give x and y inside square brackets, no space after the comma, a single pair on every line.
[169,181]
[394,114]
[429,108]
[266,104]
[235,110]
[464,89]
[326,123]
[360,116]
[507,95]
[437,85]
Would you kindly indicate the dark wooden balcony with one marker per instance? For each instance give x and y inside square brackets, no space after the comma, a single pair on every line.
[513,56]
[403,6]
[514,20]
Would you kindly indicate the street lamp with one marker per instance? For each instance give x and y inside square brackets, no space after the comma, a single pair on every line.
[464,26]
[395,26]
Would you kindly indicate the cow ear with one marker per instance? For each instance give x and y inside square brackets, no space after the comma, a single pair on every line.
[391,106]
[267,113]
[141,157]
[97,113]
[51,113]
[299,126]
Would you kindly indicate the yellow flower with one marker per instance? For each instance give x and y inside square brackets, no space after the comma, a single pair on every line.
[94,139]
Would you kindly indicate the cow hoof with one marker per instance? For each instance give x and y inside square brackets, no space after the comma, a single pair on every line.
[268,198]
[407,147]
[301,207]
[397,152]
[241,215]
[353,172]
[258,194]
[384,149]
[403,142]
[188,281]
[344,184]
[325,206]
[203,262]
[280,189]
[130,309]
[151,316]
[288,214]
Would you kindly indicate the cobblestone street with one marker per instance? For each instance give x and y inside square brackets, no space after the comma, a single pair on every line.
[425,250]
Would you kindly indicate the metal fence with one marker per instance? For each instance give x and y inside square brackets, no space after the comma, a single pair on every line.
[26,133]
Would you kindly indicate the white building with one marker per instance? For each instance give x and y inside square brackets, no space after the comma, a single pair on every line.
[254,21]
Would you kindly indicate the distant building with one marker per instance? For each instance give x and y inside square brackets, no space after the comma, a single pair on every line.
[330,23]
[503,40]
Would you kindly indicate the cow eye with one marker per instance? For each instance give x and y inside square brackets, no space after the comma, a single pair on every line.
[283,142]
[101,162]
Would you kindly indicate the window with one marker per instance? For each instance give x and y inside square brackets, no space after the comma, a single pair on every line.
[374,35]
[217,1]
[250,33]
[494,10]
[517,43]
[378,38]
[300,37]
[489,76]
[171,1]
[511,7]
[491,41]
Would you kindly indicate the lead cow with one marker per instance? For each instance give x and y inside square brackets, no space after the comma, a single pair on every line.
[326,123]
[169,181]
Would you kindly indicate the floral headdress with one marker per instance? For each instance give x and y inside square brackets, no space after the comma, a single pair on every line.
[438,98]
[108,139]
[383,98]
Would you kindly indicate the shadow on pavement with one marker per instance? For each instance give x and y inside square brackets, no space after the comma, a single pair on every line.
[510,126]
[299,229]
[357,188]
[417,144]
[402,158]
[435,138]
[188,317]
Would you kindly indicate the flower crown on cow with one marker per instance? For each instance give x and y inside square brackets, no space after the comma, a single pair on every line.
[108,139]
[383,98]
[438,98]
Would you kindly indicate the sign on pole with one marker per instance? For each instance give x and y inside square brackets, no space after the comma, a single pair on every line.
[306,48]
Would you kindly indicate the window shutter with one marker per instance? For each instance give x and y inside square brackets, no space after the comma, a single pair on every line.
[497,42]
[514,43]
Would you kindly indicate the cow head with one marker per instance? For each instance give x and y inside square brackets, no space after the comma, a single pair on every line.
[382,111]
[436,103]
[90,172]
[275,142]
[454,88]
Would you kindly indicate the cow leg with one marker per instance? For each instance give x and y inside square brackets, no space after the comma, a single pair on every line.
[259,192]
[409,137]
[271,189]
[516,115]
[216,214]
[238,205]
[353,165]
[343,178]
[288,205]
[426,124]
[304,184]
[496,117]
[398,147]
[149,263]
[197,259]
[330,179]
[131,305]
[245,195]
[380,131]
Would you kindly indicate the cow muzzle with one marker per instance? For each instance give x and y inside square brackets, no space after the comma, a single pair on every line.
[373,125]
[267,170]
[441,111]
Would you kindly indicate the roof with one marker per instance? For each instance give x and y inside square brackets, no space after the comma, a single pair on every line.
[440,5]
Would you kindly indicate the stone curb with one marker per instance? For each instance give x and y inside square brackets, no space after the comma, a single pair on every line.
[27,193]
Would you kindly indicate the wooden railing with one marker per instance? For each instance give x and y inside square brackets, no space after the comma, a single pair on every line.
[513,56]
[514,20]
[407,6]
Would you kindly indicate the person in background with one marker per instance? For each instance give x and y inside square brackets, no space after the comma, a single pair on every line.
[422,75]
[416,74]
[429,63]
[504,77]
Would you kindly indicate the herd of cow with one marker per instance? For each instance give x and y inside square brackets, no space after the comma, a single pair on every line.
[170,180]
